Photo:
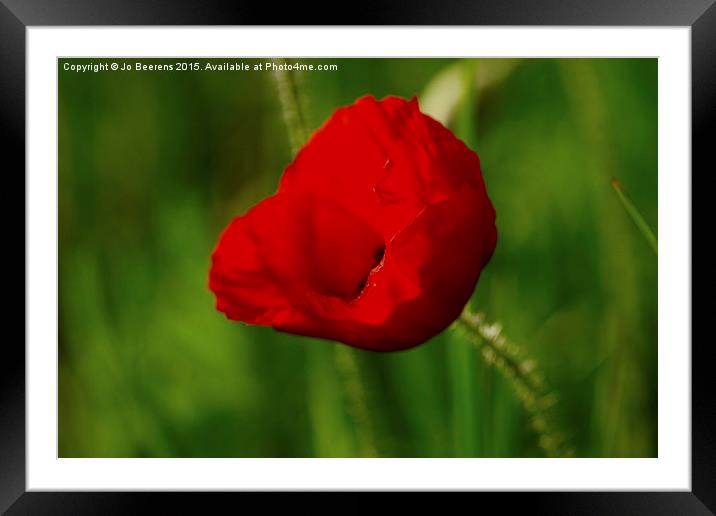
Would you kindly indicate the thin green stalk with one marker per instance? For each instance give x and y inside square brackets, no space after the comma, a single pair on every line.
[465,403]
[635,215]
[524,376]
[358,403]
[288,91]
[294,116]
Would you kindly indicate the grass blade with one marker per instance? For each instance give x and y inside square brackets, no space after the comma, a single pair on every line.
[635,215]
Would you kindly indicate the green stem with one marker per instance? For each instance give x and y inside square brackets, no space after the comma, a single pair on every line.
[357,396]
[635,215]
[288,91]
[524,376]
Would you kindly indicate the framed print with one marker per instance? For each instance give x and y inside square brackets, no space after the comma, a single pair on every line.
[358,258]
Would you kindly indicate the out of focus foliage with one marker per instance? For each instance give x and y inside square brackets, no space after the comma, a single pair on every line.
[153,165]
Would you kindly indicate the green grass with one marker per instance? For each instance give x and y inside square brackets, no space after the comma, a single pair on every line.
[152,166]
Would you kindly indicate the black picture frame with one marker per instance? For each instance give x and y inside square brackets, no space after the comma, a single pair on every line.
[17,15]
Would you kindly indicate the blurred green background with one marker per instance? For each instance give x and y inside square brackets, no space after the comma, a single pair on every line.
[152,167]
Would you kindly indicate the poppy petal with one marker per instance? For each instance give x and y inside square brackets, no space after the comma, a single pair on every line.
[286,246]
[376,237]
[427,276]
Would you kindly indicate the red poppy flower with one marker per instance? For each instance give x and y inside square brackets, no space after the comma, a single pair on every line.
[375,238]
